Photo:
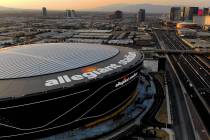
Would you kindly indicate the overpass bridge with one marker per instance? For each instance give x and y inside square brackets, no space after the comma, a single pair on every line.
[171,51]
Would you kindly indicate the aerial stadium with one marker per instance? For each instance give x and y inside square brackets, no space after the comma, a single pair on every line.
[50,88]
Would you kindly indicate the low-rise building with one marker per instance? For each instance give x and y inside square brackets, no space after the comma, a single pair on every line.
[203,35]
[187,25]
[198,44]
[203,21]
[189,33]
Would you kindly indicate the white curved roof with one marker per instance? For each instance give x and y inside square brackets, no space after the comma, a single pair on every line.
[41,59]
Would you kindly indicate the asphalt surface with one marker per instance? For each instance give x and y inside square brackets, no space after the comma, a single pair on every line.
[181,122]
[198,74]
[194,74]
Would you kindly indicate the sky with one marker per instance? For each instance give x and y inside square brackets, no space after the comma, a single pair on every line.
[91,4]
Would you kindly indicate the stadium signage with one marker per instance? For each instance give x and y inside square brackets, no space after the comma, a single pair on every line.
[125,80]
[94,73]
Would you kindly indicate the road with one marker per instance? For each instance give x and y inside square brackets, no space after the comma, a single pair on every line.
[194,75]
[149,118]
[197,72]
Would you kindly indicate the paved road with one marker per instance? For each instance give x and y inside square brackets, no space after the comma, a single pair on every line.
[197,72]
[192,72]
[181,121]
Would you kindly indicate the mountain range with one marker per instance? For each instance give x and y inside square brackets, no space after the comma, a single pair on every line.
[2,8]
[133,8]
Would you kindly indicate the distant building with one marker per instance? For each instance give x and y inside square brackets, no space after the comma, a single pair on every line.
[175,14]
[187,25]
[182,17]
[44,11]
[200,12]
[203,21]
[169,23]
[70,13]
[187,33]
[118,14]
[206,11]
[190,12]
[141,16]
[73,13]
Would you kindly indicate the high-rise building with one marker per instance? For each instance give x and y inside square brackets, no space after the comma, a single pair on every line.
[70,13]
[44,11]
[175,14]
[73,13]
[190,12]
[118,14]
[200,12]
[183,13]
[141,16]
[206,11]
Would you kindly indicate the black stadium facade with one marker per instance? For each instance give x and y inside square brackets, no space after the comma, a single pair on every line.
[49,88]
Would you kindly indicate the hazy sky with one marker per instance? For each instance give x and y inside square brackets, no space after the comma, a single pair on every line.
[88,4]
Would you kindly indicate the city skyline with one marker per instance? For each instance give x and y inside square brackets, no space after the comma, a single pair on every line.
[91,4]
[91,69]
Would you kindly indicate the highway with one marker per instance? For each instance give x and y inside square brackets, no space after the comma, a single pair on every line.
[194,75]
[197,72]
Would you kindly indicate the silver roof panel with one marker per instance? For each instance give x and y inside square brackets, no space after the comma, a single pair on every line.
[42,59]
